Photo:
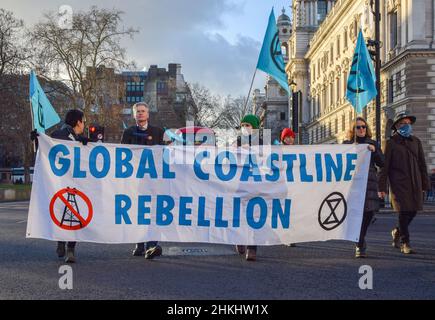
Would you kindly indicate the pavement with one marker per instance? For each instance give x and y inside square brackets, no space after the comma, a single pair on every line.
[29,268]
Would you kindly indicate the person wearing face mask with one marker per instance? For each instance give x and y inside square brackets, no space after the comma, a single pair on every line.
[249,127]
[405,170]
[361,134]
[250,133]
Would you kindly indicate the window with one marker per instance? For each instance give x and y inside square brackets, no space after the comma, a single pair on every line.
[390,90]
[332,54]
[322,10]
[338,98]
[345,38]
[318,68]
[344,82]
[398,82]
[393,30]
[161,87]
[331,93]
[343,123]
[336,125]
[282,116]
[338,46]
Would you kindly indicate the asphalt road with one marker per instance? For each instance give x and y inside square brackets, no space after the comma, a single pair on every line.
[29,269]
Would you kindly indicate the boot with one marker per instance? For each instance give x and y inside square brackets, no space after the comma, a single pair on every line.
[396,238]
[240,249]
[70,258]
[153,252]
[360,252]
[406,248]
[60,249]
[139,251]
[251,255]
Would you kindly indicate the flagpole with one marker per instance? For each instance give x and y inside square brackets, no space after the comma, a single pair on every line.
[32,116]
[250,89]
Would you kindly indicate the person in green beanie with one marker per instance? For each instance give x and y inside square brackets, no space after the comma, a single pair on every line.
[249,125]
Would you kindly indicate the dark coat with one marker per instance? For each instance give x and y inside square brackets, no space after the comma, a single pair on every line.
[150,137]
[66,133]
[377,160]
[405,170]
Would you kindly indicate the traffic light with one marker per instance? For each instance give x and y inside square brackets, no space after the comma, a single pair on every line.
[96,133]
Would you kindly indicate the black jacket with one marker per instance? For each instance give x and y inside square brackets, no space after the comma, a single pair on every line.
[377,160]
[150,137]
[66,133]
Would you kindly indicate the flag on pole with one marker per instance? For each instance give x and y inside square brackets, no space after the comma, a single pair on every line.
[44,115]
[271,60]
[361,84]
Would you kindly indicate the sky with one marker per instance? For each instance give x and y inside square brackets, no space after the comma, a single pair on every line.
[217,42]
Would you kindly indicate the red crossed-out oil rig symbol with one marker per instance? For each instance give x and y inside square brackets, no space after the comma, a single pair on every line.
[72,218]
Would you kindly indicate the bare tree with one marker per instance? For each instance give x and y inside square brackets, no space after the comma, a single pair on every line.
[12,53]
[205,108]
[234,111]
[74,55]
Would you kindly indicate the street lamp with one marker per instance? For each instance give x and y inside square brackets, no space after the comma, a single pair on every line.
[377,44]
[295,110]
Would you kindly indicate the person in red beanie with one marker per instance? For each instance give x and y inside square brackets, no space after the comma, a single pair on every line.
[288,137]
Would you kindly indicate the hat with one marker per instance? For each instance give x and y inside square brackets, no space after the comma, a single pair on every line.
[252,120]
[287,132]
[403,115]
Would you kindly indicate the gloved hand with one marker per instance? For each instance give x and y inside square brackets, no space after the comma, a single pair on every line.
[34,135]
[83,140]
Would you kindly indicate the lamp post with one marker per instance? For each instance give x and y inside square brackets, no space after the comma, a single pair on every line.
[377,44]
[294,124]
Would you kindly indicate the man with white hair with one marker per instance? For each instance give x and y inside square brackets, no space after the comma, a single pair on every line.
[144,134]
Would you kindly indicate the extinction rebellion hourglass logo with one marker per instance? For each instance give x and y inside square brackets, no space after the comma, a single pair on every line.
[333,211]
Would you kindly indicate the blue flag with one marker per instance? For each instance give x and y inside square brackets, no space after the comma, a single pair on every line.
[271,60]
[44,115]
[361,84]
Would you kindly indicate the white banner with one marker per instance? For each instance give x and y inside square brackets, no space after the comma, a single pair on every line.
[269,195]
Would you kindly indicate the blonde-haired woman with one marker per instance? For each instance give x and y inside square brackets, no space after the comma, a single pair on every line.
[361,134]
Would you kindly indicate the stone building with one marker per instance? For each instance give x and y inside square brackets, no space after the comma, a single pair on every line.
[165,91]
[321,49]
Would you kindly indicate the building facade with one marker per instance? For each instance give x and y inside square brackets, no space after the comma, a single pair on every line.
[322,46]
[164,90]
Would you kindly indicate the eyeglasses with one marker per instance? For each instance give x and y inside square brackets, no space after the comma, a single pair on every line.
[361,127]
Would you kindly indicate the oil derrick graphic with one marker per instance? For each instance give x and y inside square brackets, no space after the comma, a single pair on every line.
[68,216]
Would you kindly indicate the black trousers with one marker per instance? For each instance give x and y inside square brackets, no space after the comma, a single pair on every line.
[367,219]
[70,245]
[405,219]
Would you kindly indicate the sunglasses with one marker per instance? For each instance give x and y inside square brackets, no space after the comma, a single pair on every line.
[361,127]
